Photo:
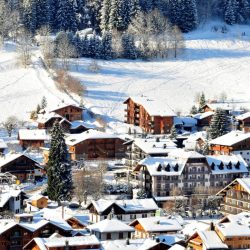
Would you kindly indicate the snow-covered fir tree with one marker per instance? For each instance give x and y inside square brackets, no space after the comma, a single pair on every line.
[106,49]
[30,15]
[193,110]
[202,101]
[105,15]
[42,10]
[173,133]
[58,168]
[219,124]
[231,8]
[129,49]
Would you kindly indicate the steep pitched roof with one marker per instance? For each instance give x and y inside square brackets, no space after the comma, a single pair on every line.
[33,134]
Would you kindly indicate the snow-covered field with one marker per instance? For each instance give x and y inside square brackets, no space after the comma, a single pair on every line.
[22,89]
[213,62]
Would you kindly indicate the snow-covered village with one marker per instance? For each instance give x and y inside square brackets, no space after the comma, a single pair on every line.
[124,124]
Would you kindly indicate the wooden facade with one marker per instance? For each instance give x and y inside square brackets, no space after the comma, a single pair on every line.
[41,202]
[236,199]
[22,167]
[70,112]
[31,143]
[244,124]
[137,115]
[17,236]
[99,148]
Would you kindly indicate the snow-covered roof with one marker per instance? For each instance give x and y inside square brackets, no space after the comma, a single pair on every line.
[158,224]
[37,197]
[193,226]
[191,141]
[112,225]
[231,138]
[43,118]
[235,225]
[11,157]
[74,139]
[3,144]
[158,166]
[76,124]
[204,115]
[243,116]
[155,146]
[127,205]
[185,121]
[5,195]
[211,240]
[64,105]
[33,134]
[177,247]
[227,166]
[183,154]
[154,107]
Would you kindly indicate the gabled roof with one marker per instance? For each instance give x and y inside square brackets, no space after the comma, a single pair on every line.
[204,115]
[74,139]
[12,157]
[244,182]
[33,134]
[127,205]
[157,224]
[5,195]
[112,225]
[155,145]
[243,116]
[153,107]
[43,118]
[64,105]
[230,138]
[235,225]
[77,124]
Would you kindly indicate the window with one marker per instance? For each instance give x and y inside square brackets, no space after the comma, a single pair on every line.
[144,215]
[108,236]
[120,235]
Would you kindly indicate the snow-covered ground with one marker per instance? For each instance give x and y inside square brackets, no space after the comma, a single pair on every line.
[22,89]
[213,62]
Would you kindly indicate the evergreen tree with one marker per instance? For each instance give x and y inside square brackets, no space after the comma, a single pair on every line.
[105,14]
[42,11]
[52,11]
[219,124]
[43,103]
[58,168]
[106,46]
[202,101]
[128,47]
[194,110]
[205,148]
[230,15]
[29,15]
[173,133]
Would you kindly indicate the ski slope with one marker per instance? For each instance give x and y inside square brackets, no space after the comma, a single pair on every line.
[212,62]
[21,89]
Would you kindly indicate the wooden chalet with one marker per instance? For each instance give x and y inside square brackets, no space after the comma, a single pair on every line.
[154,226]
[94,144]
[204,119]
[22,166]
[16,234]
[32,138]
[78,222]
[60,243]
[234,142]
[236,196]
[71,112]
[206,240]
[153,116]
[39,201]
[244,122]
[124,210]
[47,120]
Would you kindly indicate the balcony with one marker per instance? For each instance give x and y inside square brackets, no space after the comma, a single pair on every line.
[243,207]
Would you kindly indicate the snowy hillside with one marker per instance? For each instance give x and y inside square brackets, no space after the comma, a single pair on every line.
[22,89]
[213,62]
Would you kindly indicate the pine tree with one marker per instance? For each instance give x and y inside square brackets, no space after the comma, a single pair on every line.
[42,12]
[205,148]
[193,110]
[52,11]
[43,103]
[58,168]
[105,14]
[128,47]
[219,124]
[29,15]
[202,101]
[106,46]
[173,133]
[230,15]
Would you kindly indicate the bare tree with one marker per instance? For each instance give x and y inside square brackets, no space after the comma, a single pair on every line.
[117,42]
[24,47]
[65,50]
[4,20]
[10,124]
[177,40]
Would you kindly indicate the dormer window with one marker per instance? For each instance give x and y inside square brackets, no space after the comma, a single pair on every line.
[212,166]
[237,165]
[221,166]
[167,168]
[159,168]
[229,165]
